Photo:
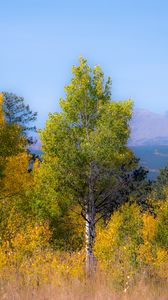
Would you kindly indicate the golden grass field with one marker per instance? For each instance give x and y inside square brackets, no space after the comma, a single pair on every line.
[96,288]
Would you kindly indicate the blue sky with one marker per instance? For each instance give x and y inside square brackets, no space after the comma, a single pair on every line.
[41,40]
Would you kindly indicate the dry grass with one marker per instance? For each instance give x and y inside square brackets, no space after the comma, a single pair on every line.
[97,289]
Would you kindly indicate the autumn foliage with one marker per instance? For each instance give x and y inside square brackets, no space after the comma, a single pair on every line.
[82,178]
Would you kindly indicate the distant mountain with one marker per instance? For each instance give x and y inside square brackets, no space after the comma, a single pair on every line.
[148,128]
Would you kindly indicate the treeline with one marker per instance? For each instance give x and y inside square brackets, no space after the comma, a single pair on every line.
[88,191]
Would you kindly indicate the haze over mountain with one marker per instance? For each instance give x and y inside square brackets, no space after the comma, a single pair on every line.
[149,128]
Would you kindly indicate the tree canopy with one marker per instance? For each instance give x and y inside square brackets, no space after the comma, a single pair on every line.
[88,142]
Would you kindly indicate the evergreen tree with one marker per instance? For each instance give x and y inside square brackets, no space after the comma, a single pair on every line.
[131,185]
[17,112]
[160,184]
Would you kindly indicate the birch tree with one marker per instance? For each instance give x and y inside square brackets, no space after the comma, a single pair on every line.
[87,142]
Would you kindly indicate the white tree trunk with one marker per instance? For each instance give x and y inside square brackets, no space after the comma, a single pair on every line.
[90,235]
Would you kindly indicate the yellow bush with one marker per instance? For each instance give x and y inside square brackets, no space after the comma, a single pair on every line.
[29,256]
[153,253]
[116,246]
[132,243]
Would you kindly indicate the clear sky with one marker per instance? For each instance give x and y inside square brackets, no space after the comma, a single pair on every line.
[41,39]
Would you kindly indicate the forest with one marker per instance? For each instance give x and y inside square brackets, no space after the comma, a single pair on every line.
[81,221]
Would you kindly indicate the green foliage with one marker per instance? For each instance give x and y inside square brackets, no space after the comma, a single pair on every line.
[160,184]
[17,112]
[131,225]
[15,120]
[162,226]
[47,203]
[90,130]
[11,141]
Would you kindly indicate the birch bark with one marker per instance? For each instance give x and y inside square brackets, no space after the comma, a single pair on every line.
[90,225]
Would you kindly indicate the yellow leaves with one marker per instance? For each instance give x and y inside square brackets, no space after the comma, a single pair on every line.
[16,186]
[130,244]
[146,254]
[1,111]
[24,247]
[153,253]
[117,244]
[106,241]
[149,227]
[41,265]
[11,141]
[161,262]
[150,252]
[29,255]
[1,98]
[31,239]
[16,176]
[154,258]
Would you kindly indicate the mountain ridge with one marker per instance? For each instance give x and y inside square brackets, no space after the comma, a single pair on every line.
[148,128]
